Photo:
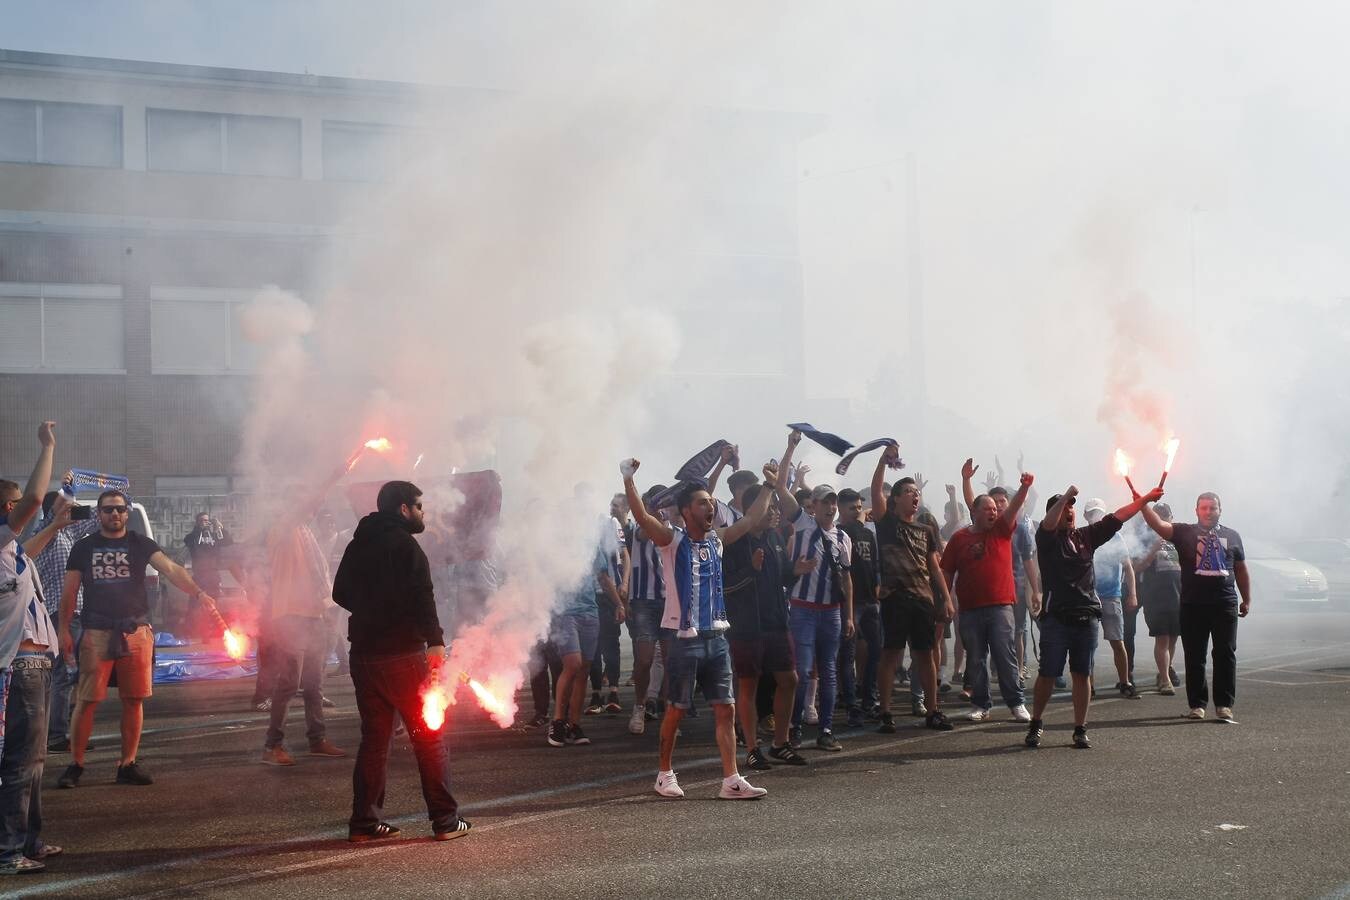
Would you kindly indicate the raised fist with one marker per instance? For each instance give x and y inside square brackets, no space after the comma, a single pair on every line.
[628,468]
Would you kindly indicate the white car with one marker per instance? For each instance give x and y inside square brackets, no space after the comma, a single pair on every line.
[1281,579]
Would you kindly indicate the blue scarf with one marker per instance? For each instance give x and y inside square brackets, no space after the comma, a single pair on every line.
[707,611]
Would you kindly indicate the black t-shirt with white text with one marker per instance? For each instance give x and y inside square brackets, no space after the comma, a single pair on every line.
[112,573]
[755,598]
[866,556]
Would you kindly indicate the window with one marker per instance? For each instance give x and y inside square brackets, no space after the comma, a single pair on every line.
[183,141]
[360,151]
[63,134]
[61,328]
[197,331]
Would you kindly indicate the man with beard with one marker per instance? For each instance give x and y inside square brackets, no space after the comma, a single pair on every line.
[1213,574]
[384,581]
[695,622]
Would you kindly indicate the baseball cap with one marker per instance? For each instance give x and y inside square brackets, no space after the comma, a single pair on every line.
[1096,503]
[1050,504]
[822,492]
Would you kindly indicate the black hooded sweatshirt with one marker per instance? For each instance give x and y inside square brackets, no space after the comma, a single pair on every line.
[384,581]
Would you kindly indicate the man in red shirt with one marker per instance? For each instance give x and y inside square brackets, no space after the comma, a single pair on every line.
[977,563]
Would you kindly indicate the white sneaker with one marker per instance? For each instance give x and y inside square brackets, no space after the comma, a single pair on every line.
[980,715]
[1224,714]
[637,722]
[740,789]
[667,786]
[1020,714]
[1197,712]
[811,716]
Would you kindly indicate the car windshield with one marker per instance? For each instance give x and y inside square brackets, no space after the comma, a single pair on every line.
[1329,551]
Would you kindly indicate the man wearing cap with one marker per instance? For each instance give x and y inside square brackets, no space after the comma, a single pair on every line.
[1113,576]
[1071,607]
[821,606]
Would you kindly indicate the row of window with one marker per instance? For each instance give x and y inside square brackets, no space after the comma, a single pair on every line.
[80,328]
[82,134]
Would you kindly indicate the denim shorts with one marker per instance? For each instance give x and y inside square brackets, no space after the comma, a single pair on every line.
[1113,619]
[644,620]
[1076,642]
[701,661]
[575,634]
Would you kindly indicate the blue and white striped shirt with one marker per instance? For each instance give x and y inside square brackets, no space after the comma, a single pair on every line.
[809,541]
[692,571]
[647,582]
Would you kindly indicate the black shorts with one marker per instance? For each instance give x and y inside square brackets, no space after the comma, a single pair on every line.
[771,652]
[1163,618]
[908,620]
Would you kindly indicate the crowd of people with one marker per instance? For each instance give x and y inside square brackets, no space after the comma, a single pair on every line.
[778,607]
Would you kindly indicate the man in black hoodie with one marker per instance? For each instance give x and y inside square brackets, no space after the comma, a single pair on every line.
[384,581]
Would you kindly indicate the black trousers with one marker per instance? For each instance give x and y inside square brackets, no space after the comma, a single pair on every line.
[1200,624]
[606,662]
[1131,629]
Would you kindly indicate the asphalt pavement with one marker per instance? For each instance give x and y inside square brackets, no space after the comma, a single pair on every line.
[1160,806]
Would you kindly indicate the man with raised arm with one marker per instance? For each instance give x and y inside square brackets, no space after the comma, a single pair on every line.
[1071,609]
[910,611]
[1213,574]
[695,623]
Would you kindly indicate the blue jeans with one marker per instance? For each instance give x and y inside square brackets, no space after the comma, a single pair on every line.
[987,631]
[815,634]
[386,685]
[64,680]
[22,761]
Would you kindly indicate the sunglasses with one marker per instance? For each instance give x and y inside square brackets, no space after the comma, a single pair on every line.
[109,510]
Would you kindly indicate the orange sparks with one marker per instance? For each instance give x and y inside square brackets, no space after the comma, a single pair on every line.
[379,445]
[487,700]
[236,645]
[434,702]
[1123,463]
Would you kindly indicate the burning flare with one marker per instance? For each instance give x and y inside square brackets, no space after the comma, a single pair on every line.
[1171,449]
[434,703]
[379,445]
[487,699]
[1123,464]
[236,645]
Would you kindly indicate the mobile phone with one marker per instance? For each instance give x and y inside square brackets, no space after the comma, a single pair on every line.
[80,513]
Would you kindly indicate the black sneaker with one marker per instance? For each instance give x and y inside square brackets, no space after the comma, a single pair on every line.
[887,724]
[649,711]
[1035,731]
[826,741]
[855,718]
[70,777]
[1080,738]
[612,705]
[937,721]
[132,773]
[795,737]
[458,830]
[59,746]
[380,832]
[557,733]
[1127,691]
[576,736]
[539,721]
[755,760]
[874,713]
[1172,674]
[595,707]
[786,755]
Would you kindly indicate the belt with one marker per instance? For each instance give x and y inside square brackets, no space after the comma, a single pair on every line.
[32,662]
[807,604]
